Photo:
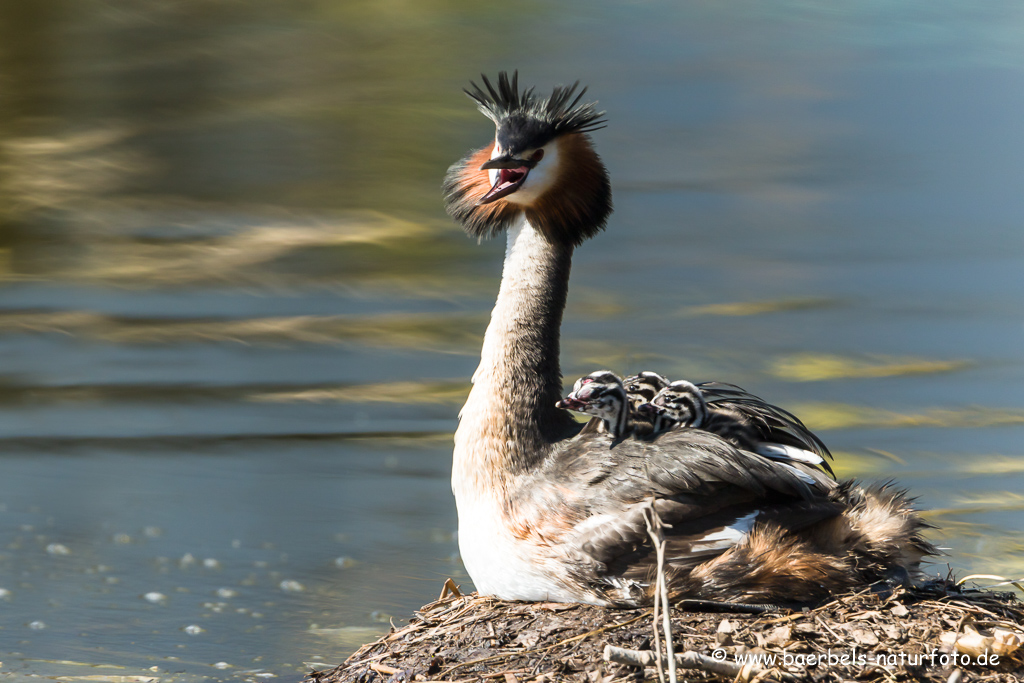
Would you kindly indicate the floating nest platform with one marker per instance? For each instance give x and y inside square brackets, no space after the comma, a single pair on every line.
[938,632]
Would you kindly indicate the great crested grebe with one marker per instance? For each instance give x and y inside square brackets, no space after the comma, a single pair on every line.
[680,404]
[744,420]
[643,387]
[601,395]
[550,512]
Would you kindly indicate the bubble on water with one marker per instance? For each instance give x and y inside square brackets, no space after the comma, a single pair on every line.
[221,665]
[122,539]
[187,560]
[37,625]
[292,586]
[155,597]
[58,549]
[152,532]
[211,563]
[5,594]
[226,593]
[193,630]
[344,562]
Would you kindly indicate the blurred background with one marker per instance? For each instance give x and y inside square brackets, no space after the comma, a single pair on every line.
[236,326]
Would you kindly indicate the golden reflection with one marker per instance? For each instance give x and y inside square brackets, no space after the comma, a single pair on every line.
[59,172]
[813,367]
[450,392]
[451,333]
[759,307]
[863,463]
[845,416]
[995,500]
[187,246]
[993,464]
[982,503]
[596,304]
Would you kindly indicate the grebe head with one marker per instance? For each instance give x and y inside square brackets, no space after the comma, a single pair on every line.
[681,403]
[600,394]
[643,387]
[541,163]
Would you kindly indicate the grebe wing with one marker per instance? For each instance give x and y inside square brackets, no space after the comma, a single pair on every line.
[683,461]
[708,491]
[777,426]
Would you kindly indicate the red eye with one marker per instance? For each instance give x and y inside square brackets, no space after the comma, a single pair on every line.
[538,155]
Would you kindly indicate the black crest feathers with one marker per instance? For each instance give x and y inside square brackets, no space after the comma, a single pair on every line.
[561,112]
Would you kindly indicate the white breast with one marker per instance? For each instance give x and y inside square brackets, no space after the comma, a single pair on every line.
[503,566]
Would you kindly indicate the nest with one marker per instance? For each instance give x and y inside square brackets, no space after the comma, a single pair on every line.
[938,632]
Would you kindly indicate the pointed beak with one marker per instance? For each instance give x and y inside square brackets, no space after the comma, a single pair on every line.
[649,409]
[506,162]
[570,403]
[512,173]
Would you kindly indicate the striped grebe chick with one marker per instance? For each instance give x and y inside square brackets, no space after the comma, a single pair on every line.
[678,404]
[601,395]
[681,405]
[643,387]
[549,511]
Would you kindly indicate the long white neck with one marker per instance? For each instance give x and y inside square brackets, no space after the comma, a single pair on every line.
[510,420]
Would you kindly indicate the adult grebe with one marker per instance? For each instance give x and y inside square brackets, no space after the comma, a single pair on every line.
[549,513]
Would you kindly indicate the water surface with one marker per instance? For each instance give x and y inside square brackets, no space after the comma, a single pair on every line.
[236,326]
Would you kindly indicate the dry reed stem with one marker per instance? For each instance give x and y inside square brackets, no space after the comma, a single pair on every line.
[661,603]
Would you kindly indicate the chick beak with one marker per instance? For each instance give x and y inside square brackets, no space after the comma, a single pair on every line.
[650,409]
[570,403]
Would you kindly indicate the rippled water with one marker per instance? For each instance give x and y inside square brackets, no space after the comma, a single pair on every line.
[236,326]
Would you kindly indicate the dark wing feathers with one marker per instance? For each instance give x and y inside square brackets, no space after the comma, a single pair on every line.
[676,464]
[699,483]
[681,459]
[775,424]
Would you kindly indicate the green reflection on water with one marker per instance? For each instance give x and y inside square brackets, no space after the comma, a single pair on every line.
[322,104]
[151,147]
